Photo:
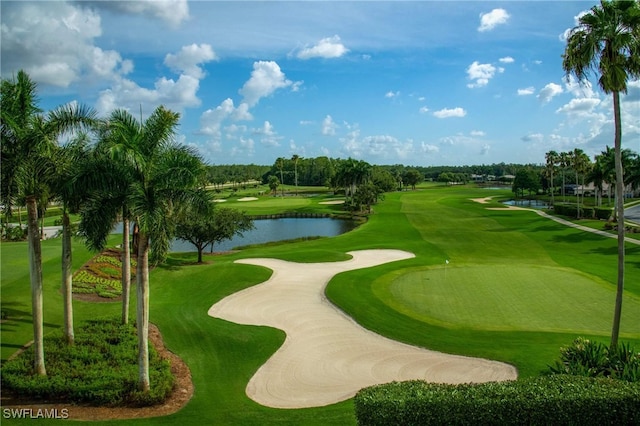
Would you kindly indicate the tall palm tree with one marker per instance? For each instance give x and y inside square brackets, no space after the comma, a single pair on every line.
[31,138]
[295,159]
[70,191]
[165,180]
[579,163]
[597,175]
[564,161]
[280,163]
[632,177]
[607,41]
[552,158]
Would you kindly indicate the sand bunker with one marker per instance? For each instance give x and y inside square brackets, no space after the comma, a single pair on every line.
[326,356]
[484,200]
[332,202]
[247,199]
[220,201]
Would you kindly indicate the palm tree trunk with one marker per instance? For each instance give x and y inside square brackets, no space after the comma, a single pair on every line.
[67,289]
[620,213]
[142,322]
[126,269]
[577,196]
[35,273]
[552,187]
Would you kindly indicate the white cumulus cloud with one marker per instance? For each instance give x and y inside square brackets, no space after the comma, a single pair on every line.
[173,12]
[488,21]
[328,126]
[189,59]
[526,91]
[266,78]
[330,47]
[54,42]
[549,91]
[481,74]
[507,60]
[453,112]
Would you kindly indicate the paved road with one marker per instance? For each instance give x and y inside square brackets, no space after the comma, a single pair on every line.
[632,214]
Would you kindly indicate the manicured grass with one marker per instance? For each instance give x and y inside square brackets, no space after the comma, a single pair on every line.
[509,297]
[436,223]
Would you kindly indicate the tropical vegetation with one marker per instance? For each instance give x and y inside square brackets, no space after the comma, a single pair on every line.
[606,42]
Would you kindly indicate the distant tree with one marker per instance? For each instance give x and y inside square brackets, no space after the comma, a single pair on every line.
[412,177]
[526,180]
[367,195]
[280,165]
[580,164]
[553,159]
[221,224]
[295,159]
[273,184]
[383,179]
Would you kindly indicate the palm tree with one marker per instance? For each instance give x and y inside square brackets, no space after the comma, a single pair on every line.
[632,177]
[607,41]
[597,175]
[564,161]
[552,158]
[70,190]
[280,163]
[295,159]
[165,180]
[579,163]
[31,138]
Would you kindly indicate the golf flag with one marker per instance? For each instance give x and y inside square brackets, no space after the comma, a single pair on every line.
[447,261]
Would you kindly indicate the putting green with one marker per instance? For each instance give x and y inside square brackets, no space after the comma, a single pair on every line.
[509,297]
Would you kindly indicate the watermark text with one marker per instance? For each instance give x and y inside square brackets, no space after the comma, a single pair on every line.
[35,413]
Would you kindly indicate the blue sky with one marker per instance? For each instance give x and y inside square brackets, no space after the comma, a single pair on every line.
[414,83]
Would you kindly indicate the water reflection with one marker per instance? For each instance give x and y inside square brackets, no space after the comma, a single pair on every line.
[270,230]
[532,204]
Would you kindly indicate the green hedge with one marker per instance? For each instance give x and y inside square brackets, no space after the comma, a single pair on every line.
[603,213]
[557,400]
[571,210]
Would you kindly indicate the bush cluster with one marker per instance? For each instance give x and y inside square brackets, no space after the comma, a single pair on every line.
[586,212]
[555,399]
[13,232]
[100,368]
[593,359]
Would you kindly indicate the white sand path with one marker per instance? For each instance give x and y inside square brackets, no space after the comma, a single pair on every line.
[327,357]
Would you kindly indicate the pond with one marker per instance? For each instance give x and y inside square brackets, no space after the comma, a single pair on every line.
[530,204]
[270,230]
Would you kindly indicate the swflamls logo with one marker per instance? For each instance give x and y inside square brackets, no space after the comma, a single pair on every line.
[35,413]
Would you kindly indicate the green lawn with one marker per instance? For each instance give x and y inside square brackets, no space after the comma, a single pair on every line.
[510,271]
[509,297]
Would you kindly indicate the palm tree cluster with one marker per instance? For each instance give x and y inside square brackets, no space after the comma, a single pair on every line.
[578,168]
[112,169]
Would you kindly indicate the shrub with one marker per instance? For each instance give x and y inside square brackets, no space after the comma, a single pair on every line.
[592,359]
[571,210]
[557,400]
[99,369]
[603,213]
[14,233]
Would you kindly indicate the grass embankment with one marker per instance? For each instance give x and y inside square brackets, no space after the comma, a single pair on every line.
[437,224]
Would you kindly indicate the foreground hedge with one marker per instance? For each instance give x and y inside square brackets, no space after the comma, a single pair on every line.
[557,400]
